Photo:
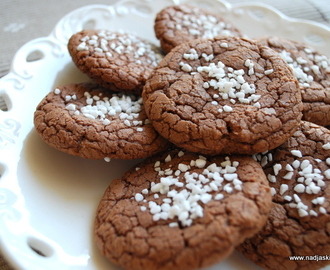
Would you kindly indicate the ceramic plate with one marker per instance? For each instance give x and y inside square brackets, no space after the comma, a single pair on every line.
[47,198]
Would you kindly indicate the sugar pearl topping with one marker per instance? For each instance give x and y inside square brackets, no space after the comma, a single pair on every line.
[307,177]
[303,70]
[202,26]
[125,107]
[112,43]
[186,192]
[230,83]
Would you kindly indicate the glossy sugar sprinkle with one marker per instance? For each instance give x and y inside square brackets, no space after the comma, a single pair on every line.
[111,43]
[229,83]
[301,67]
[309,180]
[195,189]
[127,108]
[202,26]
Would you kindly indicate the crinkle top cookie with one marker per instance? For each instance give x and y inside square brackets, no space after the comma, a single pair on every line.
[223,95]
[118,61]
[180,23]
[180,210]
[298,225]
[312,69]
[89,121]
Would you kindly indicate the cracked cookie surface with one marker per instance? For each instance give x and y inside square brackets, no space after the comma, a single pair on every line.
[223,95]
[89,121]
[298,225]
[180,210]
[118,61]
[177,24]
[312,69]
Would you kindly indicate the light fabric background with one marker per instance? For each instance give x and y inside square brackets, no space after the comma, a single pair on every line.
[22,21]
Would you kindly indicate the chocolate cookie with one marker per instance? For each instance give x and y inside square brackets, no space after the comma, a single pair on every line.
[180,210]
[298,224]
[118,61]
[312,69]
[223,95]
[89,121]
[177,24]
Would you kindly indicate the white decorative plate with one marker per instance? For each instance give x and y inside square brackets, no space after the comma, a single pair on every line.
[48,198]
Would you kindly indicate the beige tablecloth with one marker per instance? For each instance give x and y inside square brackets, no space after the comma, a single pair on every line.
[22,21]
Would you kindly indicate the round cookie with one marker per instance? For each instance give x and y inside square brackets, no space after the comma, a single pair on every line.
[118,61]
[177,24]
[312,69]
[223,95]
[298,223]
[179,210]
[89,121]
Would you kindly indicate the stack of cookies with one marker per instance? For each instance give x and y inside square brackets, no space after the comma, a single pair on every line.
[104,118]
[232,132]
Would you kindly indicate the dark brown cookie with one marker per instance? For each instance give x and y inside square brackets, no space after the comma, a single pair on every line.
[118,61]
[312,70]
[177,24]
[223,95]
[298,224]
[180,210]
[89,121]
